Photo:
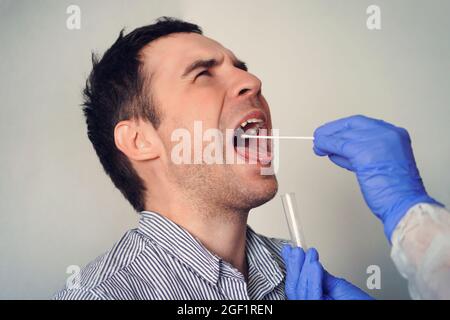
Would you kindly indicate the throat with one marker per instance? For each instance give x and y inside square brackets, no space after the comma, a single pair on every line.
[223,232]
[225,238]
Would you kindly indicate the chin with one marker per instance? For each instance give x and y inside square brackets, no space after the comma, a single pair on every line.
[260,190]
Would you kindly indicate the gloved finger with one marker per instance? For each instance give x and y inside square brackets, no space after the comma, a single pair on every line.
[331,145]
[294,267]
[358,134]
[365,134]
[357,121]
[315,276]
[351,135]
[293,259]
[383,132]
[311,256]
[341,289]
[285,251]
[404,133]
[319,152]
[315,280]
[341,162]
[329,282]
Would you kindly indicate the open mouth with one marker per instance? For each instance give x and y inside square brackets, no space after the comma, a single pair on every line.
[253,149]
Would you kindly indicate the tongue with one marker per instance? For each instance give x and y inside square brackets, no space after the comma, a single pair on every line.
[250,151]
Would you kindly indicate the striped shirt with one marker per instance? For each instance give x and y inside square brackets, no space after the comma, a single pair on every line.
[161,260]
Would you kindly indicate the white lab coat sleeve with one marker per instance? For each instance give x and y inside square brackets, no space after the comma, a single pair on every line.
[421,251]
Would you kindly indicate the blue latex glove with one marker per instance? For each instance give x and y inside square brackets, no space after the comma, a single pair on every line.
[381,156]
[306,279]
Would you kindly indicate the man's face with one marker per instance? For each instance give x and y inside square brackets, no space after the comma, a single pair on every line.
[194,78]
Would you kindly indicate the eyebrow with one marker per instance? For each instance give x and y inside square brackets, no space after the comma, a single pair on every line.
[209,63]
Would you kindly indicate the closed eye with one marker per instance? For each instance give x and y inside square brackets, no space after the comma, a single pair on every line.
[203,73]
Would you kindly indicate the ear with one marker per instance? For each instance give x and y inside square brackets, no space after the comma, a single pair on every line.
[137,139]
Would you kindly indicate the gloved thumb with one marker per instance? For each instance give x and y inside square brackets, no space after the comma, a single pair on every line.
[293,259]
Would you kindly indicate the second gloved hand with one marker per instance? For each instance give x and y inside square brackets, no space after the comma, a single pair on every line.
[306,279]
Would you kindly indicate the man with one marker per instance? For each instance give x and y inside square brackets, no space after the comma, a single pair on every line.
[193,241]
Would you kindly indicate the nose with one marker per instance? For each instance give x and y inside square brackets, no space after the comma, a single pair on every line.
[245,86]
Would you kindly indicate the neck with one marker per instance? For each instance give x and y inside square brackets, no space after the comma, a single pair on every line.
[223,232]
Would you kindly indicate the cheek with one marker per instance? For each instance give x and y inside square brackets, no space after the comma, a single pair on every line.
[166,130]
[205,98]
[204,106]
[197,103]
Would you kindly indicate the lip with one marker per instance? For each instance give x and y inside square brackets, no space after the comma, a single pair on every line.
[255,113]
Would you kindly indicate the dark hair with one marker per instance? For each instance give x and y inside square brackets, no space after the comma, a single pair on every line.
[118,90]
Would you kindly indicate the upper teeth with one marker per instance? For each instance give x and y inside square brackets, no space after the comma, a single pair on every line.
[252,120]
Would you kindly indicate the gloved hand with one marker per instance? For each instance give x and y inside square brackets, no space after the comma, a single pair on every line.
[306,279]
[381,156]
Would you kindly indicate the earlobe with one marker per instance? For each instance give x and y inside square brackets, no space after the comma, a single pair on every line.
[135,140]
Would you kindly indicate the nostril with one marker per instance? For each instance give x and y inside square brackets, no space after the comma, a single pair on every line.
[243,91]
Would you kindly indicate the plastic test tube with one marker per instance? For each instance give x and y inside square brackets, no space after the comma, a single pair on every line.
[293,220]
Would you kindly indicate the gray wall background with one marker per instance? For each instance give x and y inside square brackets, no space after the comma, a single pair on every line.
[317,61]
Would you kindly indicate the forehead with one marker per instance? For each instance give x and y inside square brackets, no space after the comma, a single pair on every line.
[174,52]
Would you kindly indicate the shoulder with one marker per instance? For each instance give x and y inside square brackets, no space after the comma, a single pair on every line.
[76,294]
[274,246]
[102,270]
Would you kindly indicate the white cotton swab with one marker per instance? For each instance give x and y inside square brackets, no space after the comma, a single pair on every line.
[277,137]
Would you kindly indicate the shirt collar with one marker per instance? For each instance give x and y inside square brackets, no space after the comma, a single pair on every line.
[180,243]
[262,262]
